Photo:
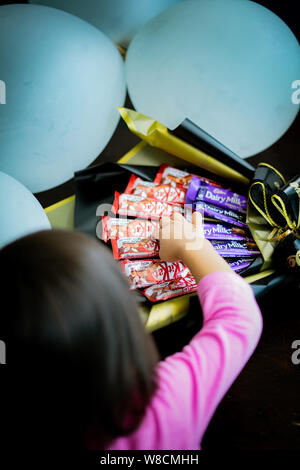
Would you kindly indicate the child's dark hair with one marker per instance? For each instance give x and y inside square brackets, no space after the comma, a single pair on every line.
[77,354]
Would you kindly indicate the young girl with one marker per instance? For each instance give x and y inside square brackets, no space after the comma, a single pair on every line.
[81,370]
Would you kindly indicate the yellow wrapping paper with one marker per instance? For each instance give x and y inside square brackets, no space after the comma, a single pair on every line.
[157,135]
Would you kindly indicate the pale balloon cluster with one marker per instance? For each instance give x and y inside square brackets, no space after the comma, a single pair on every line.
[227,66]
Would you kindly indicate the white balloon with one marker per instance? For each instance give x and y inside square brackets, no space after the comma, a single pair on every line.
[227,65]
[64,80]
[20,211]
[119,19]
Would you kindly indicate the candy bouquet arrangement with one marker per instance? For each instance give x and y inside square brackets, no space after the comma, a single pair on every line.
[138,210]
[196,173]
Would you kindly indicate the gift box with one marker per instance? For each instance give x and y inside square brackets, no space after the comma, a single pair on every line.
[95,188]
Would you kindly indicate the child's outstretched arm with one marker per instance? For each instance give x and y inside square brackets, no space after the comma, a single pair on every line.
[193,382]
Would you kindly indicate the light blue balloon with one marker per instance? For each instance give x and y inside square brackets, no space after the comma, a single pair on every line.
[20,211]
[64,80]
[227,65]
[119,19]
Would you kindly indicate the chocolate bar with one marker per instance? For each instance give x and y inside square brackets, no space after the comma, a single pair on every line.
[128,248]
[160,192]
[223,232]
[199,191]
[127,228]
[136,206]
[168,290]
[143,273]
[169,175]
[235,248]
[240,264]
[219,213]
[140,228]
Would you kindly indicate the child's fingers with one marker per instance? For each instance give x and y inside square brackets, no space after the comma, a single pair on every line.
[156,233]
[164,221]
[163,232]
[197,219]
[178,217]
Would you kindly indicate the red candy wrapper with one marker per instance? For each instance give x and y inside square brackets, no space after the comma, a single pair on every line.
[128,248]
[173,176]
[136,206]
[127,228]
[168,290]
[143,273]
[161,192]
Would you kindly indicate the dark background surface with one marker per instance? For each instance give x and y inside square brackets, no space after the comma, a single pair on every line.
[262,408]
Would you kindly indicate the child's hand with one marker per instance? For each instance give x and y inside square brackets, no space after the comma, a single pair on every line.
[177,235]
[185,241]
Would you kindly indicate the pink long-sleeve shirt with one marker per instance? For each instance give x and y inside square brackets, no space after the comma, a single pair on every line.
[191,383]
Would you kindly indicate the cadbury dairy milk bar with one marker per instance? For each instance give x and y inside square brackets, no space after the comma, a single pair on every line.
[219,213]
[240,264]
[223,232]
[200,191]
[233,248]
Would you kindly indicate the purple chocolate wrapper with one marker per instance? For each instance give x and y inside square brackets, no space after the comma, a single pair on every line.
[240,264]
[204,192]
[225,215]
[222,232]
[233,248]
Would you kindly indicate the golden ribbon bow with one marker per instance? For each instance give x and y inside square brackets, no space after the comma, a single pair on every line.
[277,201]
